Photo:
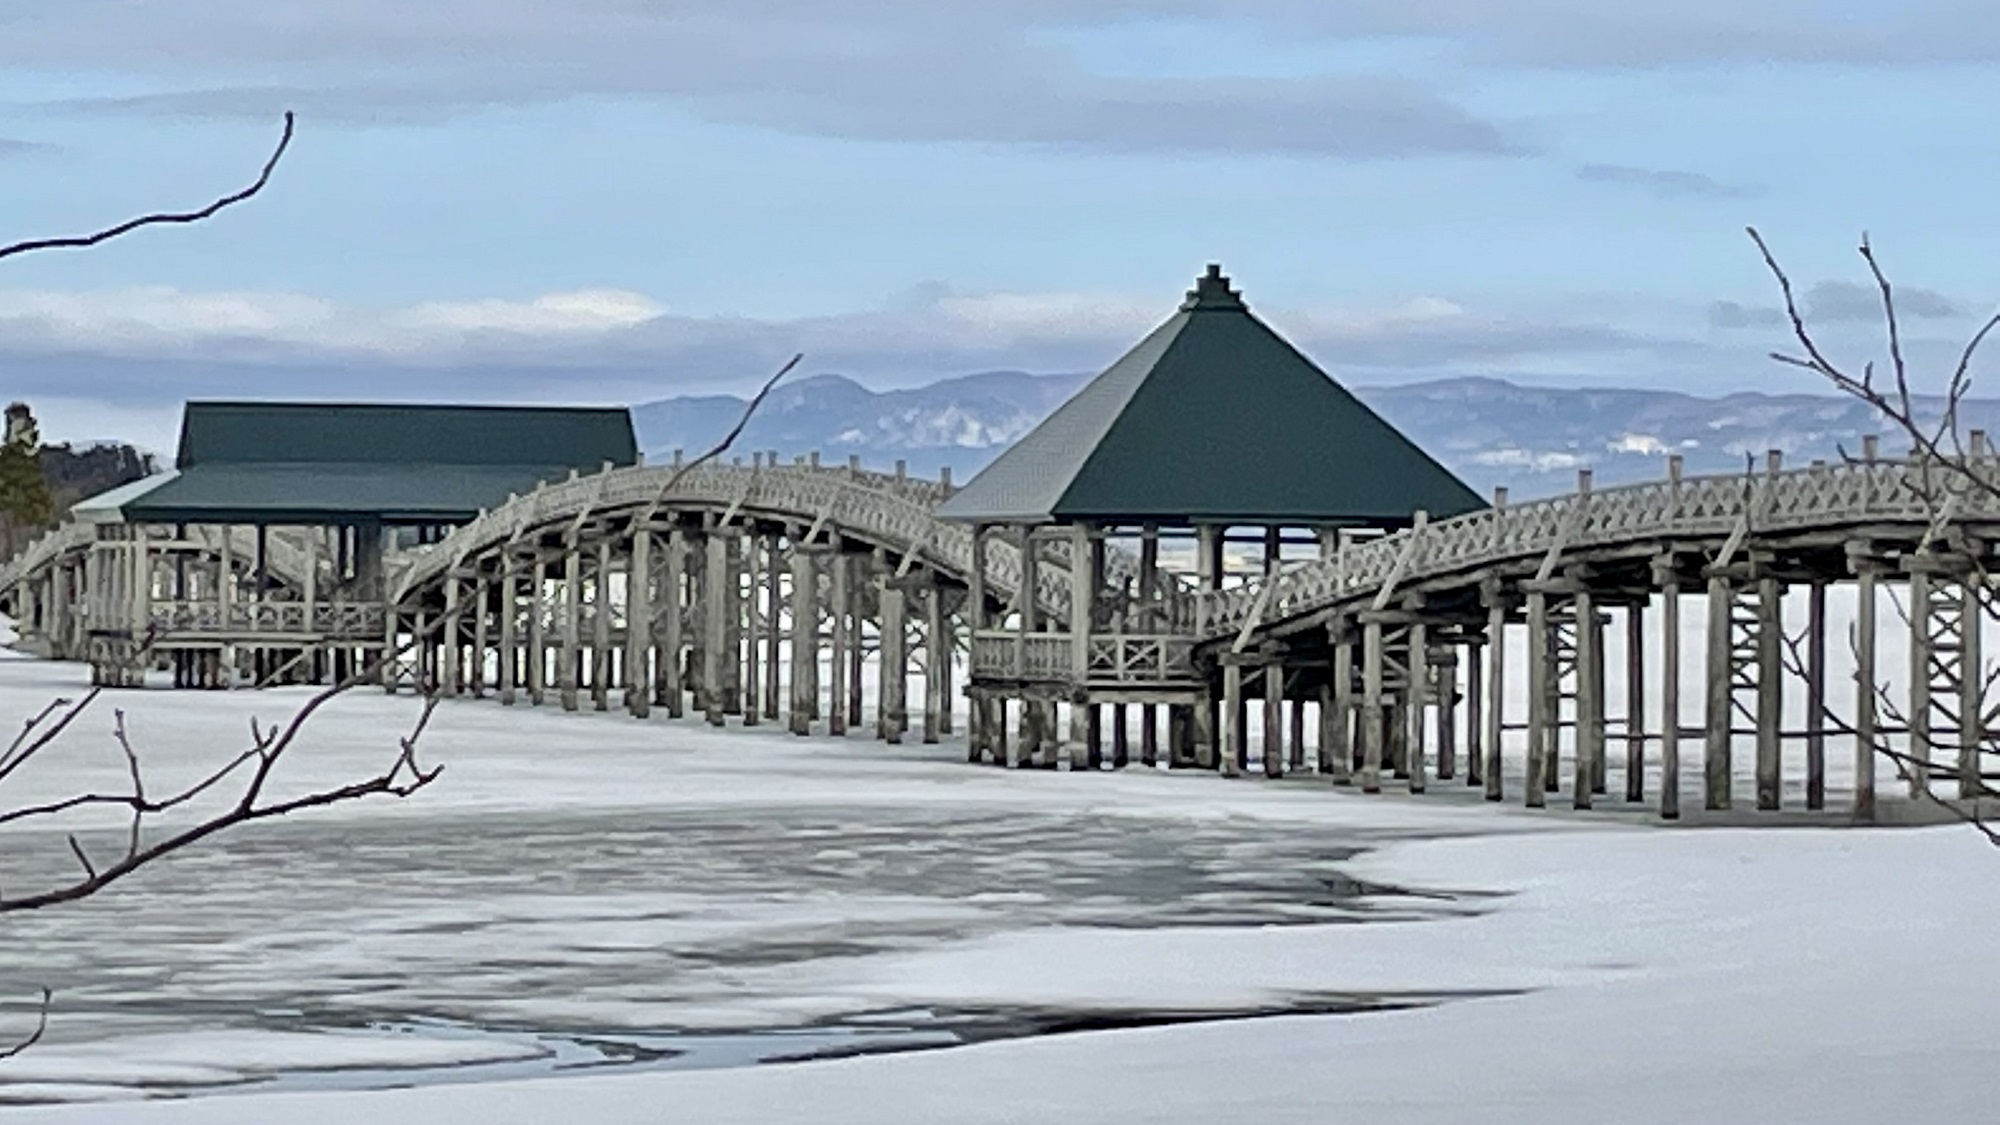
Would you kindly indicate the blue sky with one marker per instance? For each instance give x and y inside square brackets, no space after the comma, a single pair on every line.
[618,200]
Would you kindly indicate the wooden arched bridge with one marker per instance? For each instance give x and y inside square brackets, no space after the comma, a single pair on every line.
[1110,589]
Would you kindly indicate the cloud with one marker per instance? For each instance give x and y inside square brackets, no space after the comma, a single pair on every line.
[1847,301]
[1730,314]
[1667,183]
[10,147]
[896,71]
[160,345]
[1840,302]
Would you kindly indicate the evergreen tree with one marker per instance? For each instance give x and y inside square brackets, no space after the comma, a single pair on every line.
[25,503]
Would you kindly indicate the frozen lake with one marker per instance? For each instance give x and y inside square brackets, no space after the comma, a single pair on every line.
[584,891]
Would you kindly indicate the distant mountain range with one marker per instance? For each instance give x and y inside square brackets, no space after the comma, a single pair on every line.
[1488,431]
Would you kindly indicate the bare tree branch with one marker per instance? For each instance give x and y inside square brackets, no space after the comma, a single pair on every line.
[729,439]
[35,1036]
[1944,474]
[162,218]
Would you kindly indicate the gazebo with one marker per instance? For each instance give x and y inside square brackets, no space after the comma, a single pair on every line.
[260,553]
[1212,433]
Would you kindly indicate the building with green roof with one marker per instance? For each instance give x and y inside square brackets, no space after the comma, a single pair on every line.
[1212,428]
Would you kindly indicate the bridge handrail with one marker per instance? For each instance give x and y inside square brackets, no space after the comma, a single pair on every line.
[896,511]
[1822,495]
[50,545]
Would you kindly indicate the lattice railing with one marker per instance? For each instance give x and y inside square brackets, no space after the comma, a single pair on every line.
[1819,497]
[897,512]
[339,620]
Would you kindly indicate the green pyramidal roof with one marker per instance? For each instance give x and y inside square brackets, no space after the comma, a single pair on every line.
[1212,418]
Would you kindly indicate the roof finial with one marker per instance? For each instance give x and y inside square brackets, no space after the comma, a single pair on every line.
[1211,291]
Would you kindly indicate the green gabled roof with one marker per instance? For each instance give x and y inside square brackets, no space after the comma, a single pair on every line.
[312,463]
[1212,418]
[389,434]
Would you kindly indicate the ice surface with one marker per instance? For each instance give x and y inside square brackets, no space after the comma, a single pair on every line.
[587,873]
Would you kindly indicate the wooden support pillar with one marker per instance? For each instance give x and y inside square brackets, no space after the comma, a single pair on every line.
[1085,562]
[1274,718]
[1864,696]
[1475,715]
[572,623]
[1181,734]
[734,605]
[937,659]
[1336,722]
[1816,696]
[1670,694]
[538,637]
[716,606]
[1770,695]
[1235,740]
[1210,752]
[862,565]
[1447,715]
[1541,722]
[1721,684]
[669,671]
[749,611]
[840,641]
[1972,684]
[1203,729]
[978,740]
[1635,702]
[993,721]
[510,624]
[1372,702]
[1121,747]
[481,615]
[1589,698]
[1418,695]
[639,617]
[1921,659]
[805,637]
[774,608]
[892,707]
[600,628]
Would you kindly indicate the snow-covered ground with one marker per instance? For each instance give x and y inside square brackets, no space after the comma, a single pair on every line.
[583,888]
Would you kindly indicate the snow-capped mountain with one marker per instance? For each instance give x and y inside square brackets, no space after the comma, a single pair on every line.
[1490,432]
